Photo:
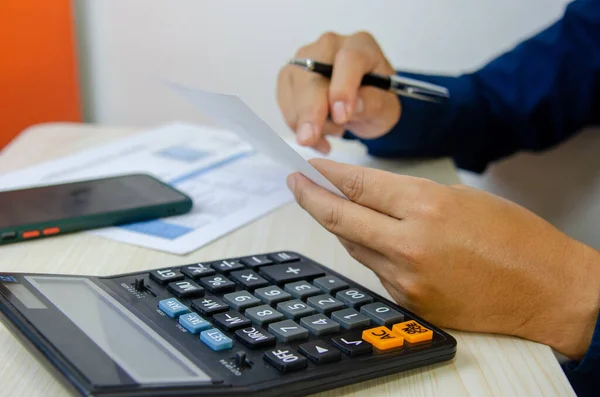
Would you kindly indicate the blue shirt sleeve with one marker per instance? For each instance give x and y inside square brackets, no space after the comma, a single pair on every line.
[528,99]
[585,375]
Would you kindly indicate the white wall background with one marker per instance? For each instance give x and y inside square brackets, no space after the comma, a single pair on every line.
[129,47]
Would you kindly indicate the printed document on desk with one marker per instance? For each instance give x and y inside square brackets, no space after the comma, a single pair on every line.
[230,183]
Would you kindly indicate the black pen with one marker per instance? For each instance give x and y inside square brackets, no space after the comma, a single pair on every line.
[400,85]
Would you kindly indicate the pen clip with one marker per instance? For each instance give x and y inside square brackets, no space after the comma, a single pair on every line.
[412,88]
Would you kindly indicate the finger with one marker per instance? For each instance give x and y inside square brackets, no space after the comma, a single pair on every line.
[377,112]
[344,218]
[323,146]
[330,128]
[310,91]
[311,106]
[354,59]
[391,194]
[366,256]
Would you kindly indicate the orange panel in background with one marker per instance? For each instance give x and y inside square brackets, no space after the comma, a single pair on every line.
[38,72]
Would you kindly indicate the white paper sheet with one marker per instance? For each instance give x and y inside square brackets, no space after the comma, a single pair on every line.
[229,182]
[232,113]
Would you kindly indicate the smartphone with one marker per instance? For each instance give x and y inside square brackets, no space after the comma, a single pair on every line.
[44,211]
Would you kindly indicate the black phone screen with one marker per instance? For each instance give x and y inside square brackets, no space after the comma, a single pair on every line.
[56,202]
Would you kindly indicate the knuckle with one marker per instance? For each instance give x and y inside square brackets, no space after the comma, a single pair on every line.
[304,51]
[354,185]
[438,206]
[333,218]
[364,35]
[328,38]
[350,55]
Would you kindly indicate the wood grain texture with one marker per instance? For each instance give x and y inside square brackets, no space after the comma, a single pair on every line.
[485,365]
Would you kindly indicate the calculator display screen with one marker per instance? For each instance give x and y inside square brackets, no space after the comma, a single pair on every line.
[127,340]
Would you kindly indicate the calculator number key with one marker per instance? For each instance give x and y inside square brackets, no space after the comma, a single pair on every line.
[197,271]
[272,295]
[413,332]
[352,344]
[382,314]
[186,289]
[288,330]
[295,309]
[285,359]
[354,298]
[217,284]
[241,300]
[325,303]
[319,324]
[351,319]
[165,276]
[383,338]
[302,289]
[263,315]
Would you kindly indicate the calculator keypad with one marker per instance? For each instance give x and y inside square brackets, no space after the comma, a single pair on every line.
[295,309]
[248,279]
[197,271]
[325,303]
[290,272]
[218,284]
[330,284]
[284,306]
[263,315]
[241,300]
[165,276]
[186,289]
[320,324]
[231,320]
[302,289]
[271,295]
[288,330]
[382,314]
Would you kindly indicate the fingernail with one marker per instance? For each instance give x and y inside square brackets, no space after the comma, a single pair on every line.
[305,133]
[360,106]
[340,115]
[291,182]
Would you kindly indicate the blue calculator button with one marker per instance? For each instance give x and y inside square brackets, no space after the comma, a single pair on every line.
[173,307]
[194,323]
[216,340]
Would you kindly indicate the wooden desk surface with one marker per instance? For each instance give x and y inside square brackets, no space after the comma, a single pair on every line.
[484,364]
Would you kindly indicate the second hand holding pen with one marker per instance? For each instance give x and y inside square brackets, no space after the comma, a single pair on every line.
[403,86]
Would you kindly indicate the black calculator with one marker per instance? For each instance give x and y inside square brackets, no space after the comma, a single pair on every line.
[264,325]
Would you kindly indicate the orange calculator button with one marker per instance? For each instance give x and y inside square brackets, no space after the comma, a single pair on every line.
[31,234]
[50,231]
[382,338]
[413,332]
